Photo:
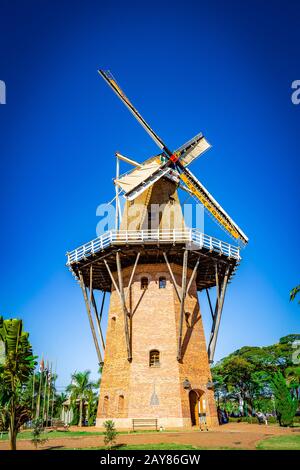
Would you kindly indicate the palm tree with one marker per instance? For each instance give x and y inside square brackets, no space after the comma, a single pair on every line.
[78,389]
[59,400]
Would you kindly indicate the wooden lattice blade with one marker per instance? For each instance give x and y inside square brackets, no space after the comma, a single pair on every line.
[192,149]
[139,179]
[107,76]
[221,216]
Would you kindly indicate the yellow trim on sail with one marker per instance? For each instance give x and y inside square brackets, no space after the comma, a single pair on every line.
[209,206]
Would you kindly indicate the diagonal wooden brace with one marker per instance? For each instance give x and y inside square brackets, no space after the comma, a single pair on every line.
[88,309]
[124,308]
[183,294]
[217,317]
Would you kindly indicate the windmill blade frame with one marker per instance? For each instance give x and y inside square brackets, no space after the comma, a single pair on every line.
[187,153]
[111,81]
[177,161]
[211,205]
[192,149]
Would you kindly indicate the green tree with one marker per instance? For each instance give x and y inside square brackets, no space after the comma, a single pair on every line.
[92,404]
[110,433]
[59,399]
[16,367]
[78,389]
[237,375]
[286,405]
[292,375]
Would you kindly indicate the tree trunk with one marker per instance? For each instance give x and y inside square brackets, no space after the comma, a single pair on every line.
[13,440]
[80,412]
[12,428]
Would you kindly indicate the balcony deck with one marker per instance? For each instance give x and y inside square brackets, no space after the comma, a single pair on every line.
[151,244]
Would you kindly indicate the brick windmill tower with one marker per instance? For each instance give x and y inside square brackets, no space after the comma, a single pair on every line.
[156,361]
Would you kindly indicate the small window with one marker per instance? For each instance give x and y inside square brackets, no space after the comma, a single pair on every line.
[105,405]
[113,323]
[154,358]
[162,282]
[144,283]
[121,404]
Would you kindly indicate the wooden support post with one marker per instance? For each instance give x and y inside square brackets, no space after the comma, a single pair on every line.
[209,302]
[172,276]
[133,273]
[125,311]
[98,318]
[217,318]
[183,294]
[87,305]
[111,276]
[217,282]
[193,275]
[102,306]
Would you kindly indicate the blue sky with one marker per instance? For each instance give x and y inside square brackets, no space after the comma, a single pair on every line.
[221,67]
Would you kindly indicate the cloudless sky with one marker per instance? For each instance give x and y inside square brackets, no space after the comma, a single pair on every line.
[221,67]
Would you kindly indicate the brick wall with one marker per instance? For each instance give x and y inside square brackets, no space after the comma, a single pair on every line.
[153,391]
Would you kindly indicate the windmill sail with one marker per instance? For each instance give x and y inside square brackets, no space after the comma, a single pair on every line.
[113,84]
[138,180]
[192,149]
[209,202]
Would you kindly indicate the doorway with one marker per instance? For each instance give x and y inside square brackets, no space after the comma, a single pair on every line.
[194,408]
[197,405]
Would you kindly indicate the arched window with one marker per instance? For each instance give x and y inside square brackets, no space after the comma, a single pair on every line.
[121,404]
[144,283]
[105,405]
[154,358]
[162,282]
[113,323]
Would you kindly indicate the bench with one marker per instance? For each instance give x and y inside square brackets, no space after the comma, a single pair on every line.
[144,423]
[57,423]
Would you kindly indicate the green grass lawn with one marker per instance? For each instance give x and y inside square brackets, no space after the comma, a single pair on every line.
[54,434]
[161,446]
[280,443]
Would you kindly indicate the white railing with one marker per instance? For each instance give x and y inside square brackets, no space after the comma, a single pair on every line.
[192,235]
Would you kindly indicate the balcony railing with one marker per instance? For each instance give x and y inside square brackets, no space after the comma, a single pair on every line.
[164,236]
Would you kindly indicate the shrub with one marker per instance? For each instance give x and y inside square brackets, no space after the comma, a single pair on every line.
[38,433]
[286,405]
[110,434]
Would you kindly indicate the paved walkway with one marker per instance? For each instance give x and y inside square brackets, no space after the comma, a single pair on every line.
[232,435]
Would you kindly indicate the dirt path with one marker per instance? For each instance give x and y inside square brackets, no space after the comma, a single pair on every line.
[233,435]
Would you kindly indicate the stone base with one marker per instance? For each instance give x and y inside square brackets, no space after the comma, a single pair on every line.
[166,423]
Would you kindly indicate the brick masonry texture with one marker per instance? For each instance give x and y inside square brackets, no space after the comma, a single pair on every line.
[136,390]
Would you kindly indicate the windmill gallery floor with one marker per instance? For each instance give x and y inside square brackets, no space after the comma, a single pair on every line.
[233,435]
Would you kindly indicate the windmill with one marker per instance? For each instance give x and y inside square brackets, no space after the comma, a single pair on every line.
[156,368]
[166,163]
